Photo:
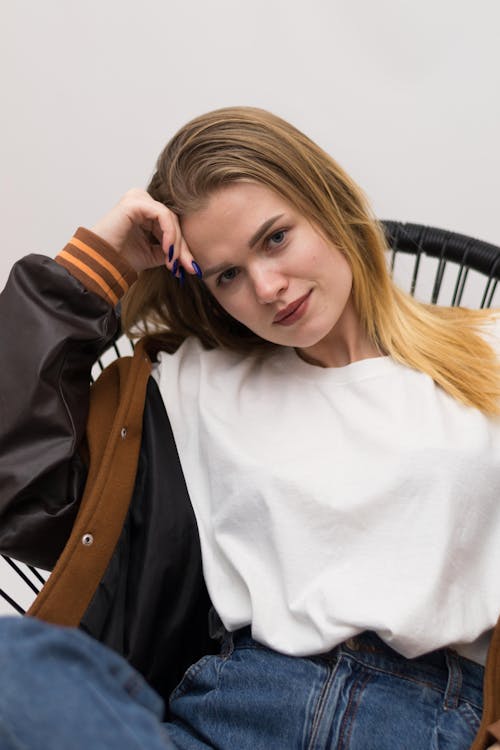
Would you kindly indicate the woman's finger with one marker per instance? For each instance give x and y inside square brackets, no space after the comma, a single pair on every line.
[147,234]
[174,249]
[154,216]
[187,260]
[165,226]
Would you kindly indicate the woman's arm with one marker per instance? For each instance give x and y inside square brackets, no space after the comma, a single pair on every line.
[57,318]
[53,329]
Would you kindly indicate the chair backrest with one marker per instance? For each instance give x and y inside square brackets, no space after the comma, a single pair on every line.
[457,265]
[435,265]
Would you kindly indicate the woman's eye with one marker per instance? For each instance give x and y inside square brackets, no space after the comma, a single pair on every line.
[227,276]
[277,238]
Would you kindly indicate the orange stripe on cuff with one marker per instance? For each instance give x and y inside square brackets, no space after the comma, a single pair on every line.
[90,273]
[103,262]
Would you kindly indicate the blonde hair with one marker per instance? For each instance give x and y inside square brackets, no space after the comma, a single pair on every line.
[244,143]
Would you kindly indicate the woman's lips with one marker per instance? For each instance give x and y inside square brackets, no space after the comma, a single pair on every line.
[292,312]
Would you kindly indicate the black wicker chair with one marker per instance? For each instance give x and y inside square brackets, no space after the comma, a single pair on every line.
[435,265]
[452,252]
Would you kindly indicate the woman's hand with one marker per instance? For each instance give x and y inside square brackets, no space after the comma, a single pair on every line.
[146,233]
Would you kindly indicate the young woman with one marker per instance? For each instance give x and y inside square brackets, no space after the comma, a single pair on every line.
[289,518]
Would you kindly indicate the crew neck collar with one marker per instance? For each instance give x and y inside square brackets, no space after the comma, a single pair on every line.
[359,370]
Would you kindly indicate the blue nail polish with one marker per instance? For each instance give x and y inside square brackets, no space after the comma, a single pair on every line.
[181,276]
[174,267]
[170,253]
[197,269]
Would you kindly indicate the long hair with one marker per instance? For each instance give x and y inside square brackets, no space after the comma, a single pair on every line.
[244,143]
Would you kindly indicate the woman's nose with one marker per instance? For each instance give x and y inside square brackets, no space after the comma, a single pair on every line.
[268,284]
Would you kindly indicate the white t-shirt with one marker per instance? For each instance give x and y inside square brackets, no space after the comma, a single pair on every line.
[335,500]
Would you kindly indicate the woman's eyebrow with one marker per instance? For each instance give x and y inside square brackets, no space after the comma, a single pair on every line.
[215,269]
[253,241]
[263,229]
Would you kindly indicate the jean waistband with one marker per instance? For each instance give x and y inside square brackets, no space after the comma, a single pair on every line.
[443,669]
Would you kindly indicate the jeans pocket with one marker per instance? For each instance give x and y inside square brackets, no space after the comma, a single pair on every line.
[458,727]
[471,714]
[191,674]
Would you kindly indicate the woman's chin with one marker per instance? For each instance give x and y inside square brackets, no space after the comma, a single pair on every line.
[300,341]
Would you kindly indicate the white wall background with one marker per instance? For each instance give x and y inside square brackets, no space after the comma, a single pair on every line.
[404,94]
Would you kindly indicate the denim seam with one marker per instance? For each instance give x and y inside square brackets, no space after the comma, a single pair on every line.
[403,676]
[409,678]
[189,676]
[352,709]
[321,704]
[251,646]
[467,718]
[454,686]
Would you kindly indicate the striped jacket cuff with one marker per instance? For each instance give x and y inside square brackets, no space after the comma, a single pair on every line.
[97,265]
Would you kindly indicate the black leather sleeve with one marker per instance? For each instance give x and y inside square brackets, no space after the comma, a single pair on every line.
[51,332]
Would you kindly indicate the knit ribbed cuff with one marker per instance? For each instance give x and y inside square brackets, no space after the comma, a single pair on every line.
[97,265]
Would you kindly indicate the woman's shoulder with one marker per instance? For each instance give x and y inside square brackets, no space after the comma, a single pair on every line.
[192,357]
[192,351]
[221,375]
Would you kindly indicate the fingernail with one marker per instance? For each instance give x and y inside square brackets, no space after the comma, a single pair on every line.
[170,253]
[197,269]
[174,267]
[181,276]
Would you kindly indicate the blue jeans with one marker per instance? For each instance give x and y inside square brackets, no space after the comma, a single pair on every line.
[60,689]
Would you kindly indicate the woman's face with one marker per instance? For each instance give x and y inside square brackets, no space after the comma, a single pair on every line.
[271,269]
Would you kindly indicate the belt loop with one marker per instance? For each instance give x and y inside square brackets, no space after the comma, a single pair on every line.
[454,686]
[227,644]
[216,628]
